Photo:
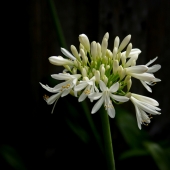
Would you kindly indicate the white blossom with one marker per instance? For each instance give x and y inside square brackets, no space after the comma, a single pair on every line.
[144,105]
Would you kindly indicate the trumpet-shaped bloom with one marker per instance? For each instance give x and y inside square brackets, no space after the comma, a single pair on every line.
[61,89]
[88,86]
[144,105]
[104,97]
[104,75]
[151,70]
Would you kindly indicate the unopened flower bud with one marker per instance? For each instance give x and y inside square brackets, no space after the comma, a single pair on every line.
[97,76]
[129,84]
[115,66]
[127,79]
[98,50]
[107,67]
[123,58]
[83,56]
[94,49]
[104,46]
[124,43]
[128,50]
[116,42]
[106,36]
[102,71]
[74,71]
[75,52]
[84,73]
[105,79]
[84,41]
[67,67]
[114,53]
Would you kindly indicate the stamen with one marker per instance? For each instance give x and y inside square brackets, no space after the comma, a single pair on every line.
[45,97]
[87,91]
[109,105]
[66,86]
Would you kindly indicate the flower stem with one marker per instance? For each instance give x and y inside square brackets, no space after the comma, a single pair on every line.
[57,24]
[109,155]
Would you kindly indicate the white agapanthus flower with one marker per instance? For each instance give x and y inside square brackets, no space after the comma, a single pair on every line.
[61,89]
[151,70]
[97,73]
[104,97]
[88,86]
[144,105]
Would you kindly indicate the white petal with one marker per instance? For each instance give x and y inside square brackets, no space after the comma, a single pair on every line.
[80,86]
[144,76]
[61,76]
[52,90]
[68,54]
[151,61]
[124,43]
[119,98]
[60,61]
[145,99]
[145,108]
[134,51]
[154,68]
[95,96]
[53,98]
[129,62]
[138,116]
[65,92]
[111,112]
[82,97]
[114,87]
[102,85]
[97,106]
[156,80]
[144,117]
[146,86]
[60,85]
[137,69]
[109,107]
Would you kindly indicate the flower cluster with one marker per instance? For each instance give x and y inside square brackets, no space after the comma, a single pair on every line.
[98,73]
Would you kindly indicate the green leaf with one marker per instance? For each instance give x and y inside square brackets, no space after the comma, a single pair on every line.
[12,157]
[159,155]
[133,153]
[127,124]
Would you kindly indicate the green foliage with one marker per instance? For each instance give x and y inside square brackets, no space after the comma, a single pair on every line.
[139,142]
[12,157]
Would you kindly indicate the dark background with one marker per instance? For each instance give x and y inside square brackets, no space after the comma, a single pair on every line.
[42,139]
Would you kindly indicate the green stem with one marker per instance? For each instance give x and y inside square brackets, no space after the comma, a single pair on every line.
[57,24]
[107,140]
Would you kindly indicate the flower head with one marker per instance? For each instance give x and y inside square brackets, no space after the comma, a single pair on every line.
[95,72]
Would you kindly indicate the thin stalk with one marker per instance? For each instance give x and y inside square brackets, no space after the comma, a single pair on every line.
[108,148]
[57,24]
[62,43]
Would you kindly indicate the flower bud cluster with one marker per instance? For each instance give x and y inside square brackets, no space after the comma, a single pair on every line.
[105,75]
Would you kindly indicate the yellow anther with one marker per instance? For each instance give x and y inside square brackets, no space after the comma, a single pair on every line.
[45,97]
[87,91]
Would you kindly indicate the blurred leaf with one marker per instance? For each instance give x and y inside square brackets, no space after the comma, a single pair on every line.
[57,24]
[133,152]
[159,155]
[129,129]
[12,157]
